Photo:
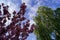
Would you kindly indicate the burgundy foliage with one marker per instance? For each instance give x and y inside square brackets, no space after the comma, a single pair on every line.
[14,31]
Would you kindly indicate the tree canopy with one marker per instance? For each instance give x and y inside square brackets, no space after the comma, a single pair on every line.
[16,30]
[47,21]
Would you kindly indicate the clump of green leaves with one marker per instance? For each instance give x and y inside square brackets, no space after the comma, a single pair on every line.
[47,21]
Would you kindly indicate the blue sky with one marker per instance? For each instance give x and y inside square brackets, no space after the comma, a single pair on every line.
[32,6]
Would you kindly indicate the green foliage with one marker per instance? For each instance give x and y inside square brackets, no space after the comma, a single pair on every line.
[57,23]
[47,21]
